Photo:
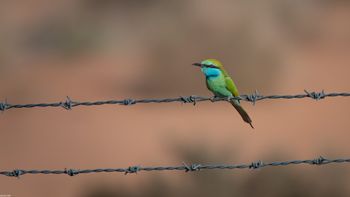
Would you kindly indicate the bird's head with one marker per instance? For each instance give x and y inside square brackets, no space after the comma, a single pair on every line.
[210,67]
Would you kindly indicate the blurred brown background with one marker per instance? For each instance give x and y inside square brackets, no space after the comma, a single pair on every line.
[116,49]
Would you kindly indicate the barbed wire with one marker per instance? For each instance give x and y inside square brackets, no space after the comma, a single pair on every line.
[186,168]
[253,98]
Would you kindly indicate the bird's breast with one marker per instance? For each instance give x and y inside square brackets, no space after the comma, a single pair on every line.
[215,81]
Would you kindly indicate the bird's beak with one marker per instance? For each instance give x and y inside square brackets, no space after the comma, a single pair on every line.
[197,64]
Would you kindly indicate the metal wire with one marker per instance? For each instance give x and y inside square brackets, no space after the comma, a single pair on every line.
[69,104]
[253,98]
[186,168]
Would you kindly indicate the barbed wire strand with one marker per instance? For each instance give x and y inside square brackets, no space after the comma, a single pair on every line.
[253,98]
[186,168]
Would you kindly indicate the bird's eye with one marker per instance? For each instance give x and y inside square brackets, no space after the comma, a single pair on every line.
[211,66]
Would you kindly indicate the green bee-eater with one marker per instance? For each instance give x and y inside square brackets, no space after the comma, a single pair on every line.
[220,83]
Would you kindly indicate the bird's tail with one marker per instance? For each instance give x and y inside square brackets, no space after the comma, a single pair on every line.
[242,112]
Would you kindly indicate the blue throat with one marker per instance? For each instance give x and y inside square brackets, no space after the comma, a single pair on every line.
[211,72]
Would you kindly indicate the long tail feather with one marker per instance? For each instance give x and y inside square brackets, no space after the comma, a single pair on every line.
[242,112]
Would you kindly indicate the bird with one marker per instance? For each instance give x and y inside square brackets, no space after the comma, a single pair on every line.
[220,83]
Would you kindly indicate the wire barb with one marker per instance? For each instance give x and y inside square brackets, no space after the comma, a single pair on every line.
[192,167]
[132,169]
[316,95]
[319,161]
[71,172]
[3,106]
[68,104]
[187,168]
[256,165]
[188,99]
[128,102]
[15,173]
[253,97]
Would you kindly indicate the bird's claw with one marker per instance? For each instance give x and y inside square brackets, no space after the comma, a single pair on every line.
[230,98]
[213,99]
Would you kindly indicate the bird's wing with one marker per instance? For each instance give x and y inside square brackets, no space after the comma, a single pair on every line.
[230,85]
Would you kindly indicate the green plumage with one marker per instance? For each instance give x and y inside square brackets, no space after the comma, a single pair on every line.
[220,83]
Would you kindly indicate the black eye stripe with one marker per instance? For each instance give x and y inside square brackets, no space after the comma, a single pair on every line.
[209,66]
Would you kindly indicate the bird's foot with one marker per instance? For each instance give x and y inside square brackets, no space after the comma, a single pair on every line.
[214,98]
[230,98]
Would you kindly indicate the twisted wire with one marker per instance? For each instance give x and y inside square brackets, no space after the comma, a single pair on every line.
[185,167]
[68,104]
